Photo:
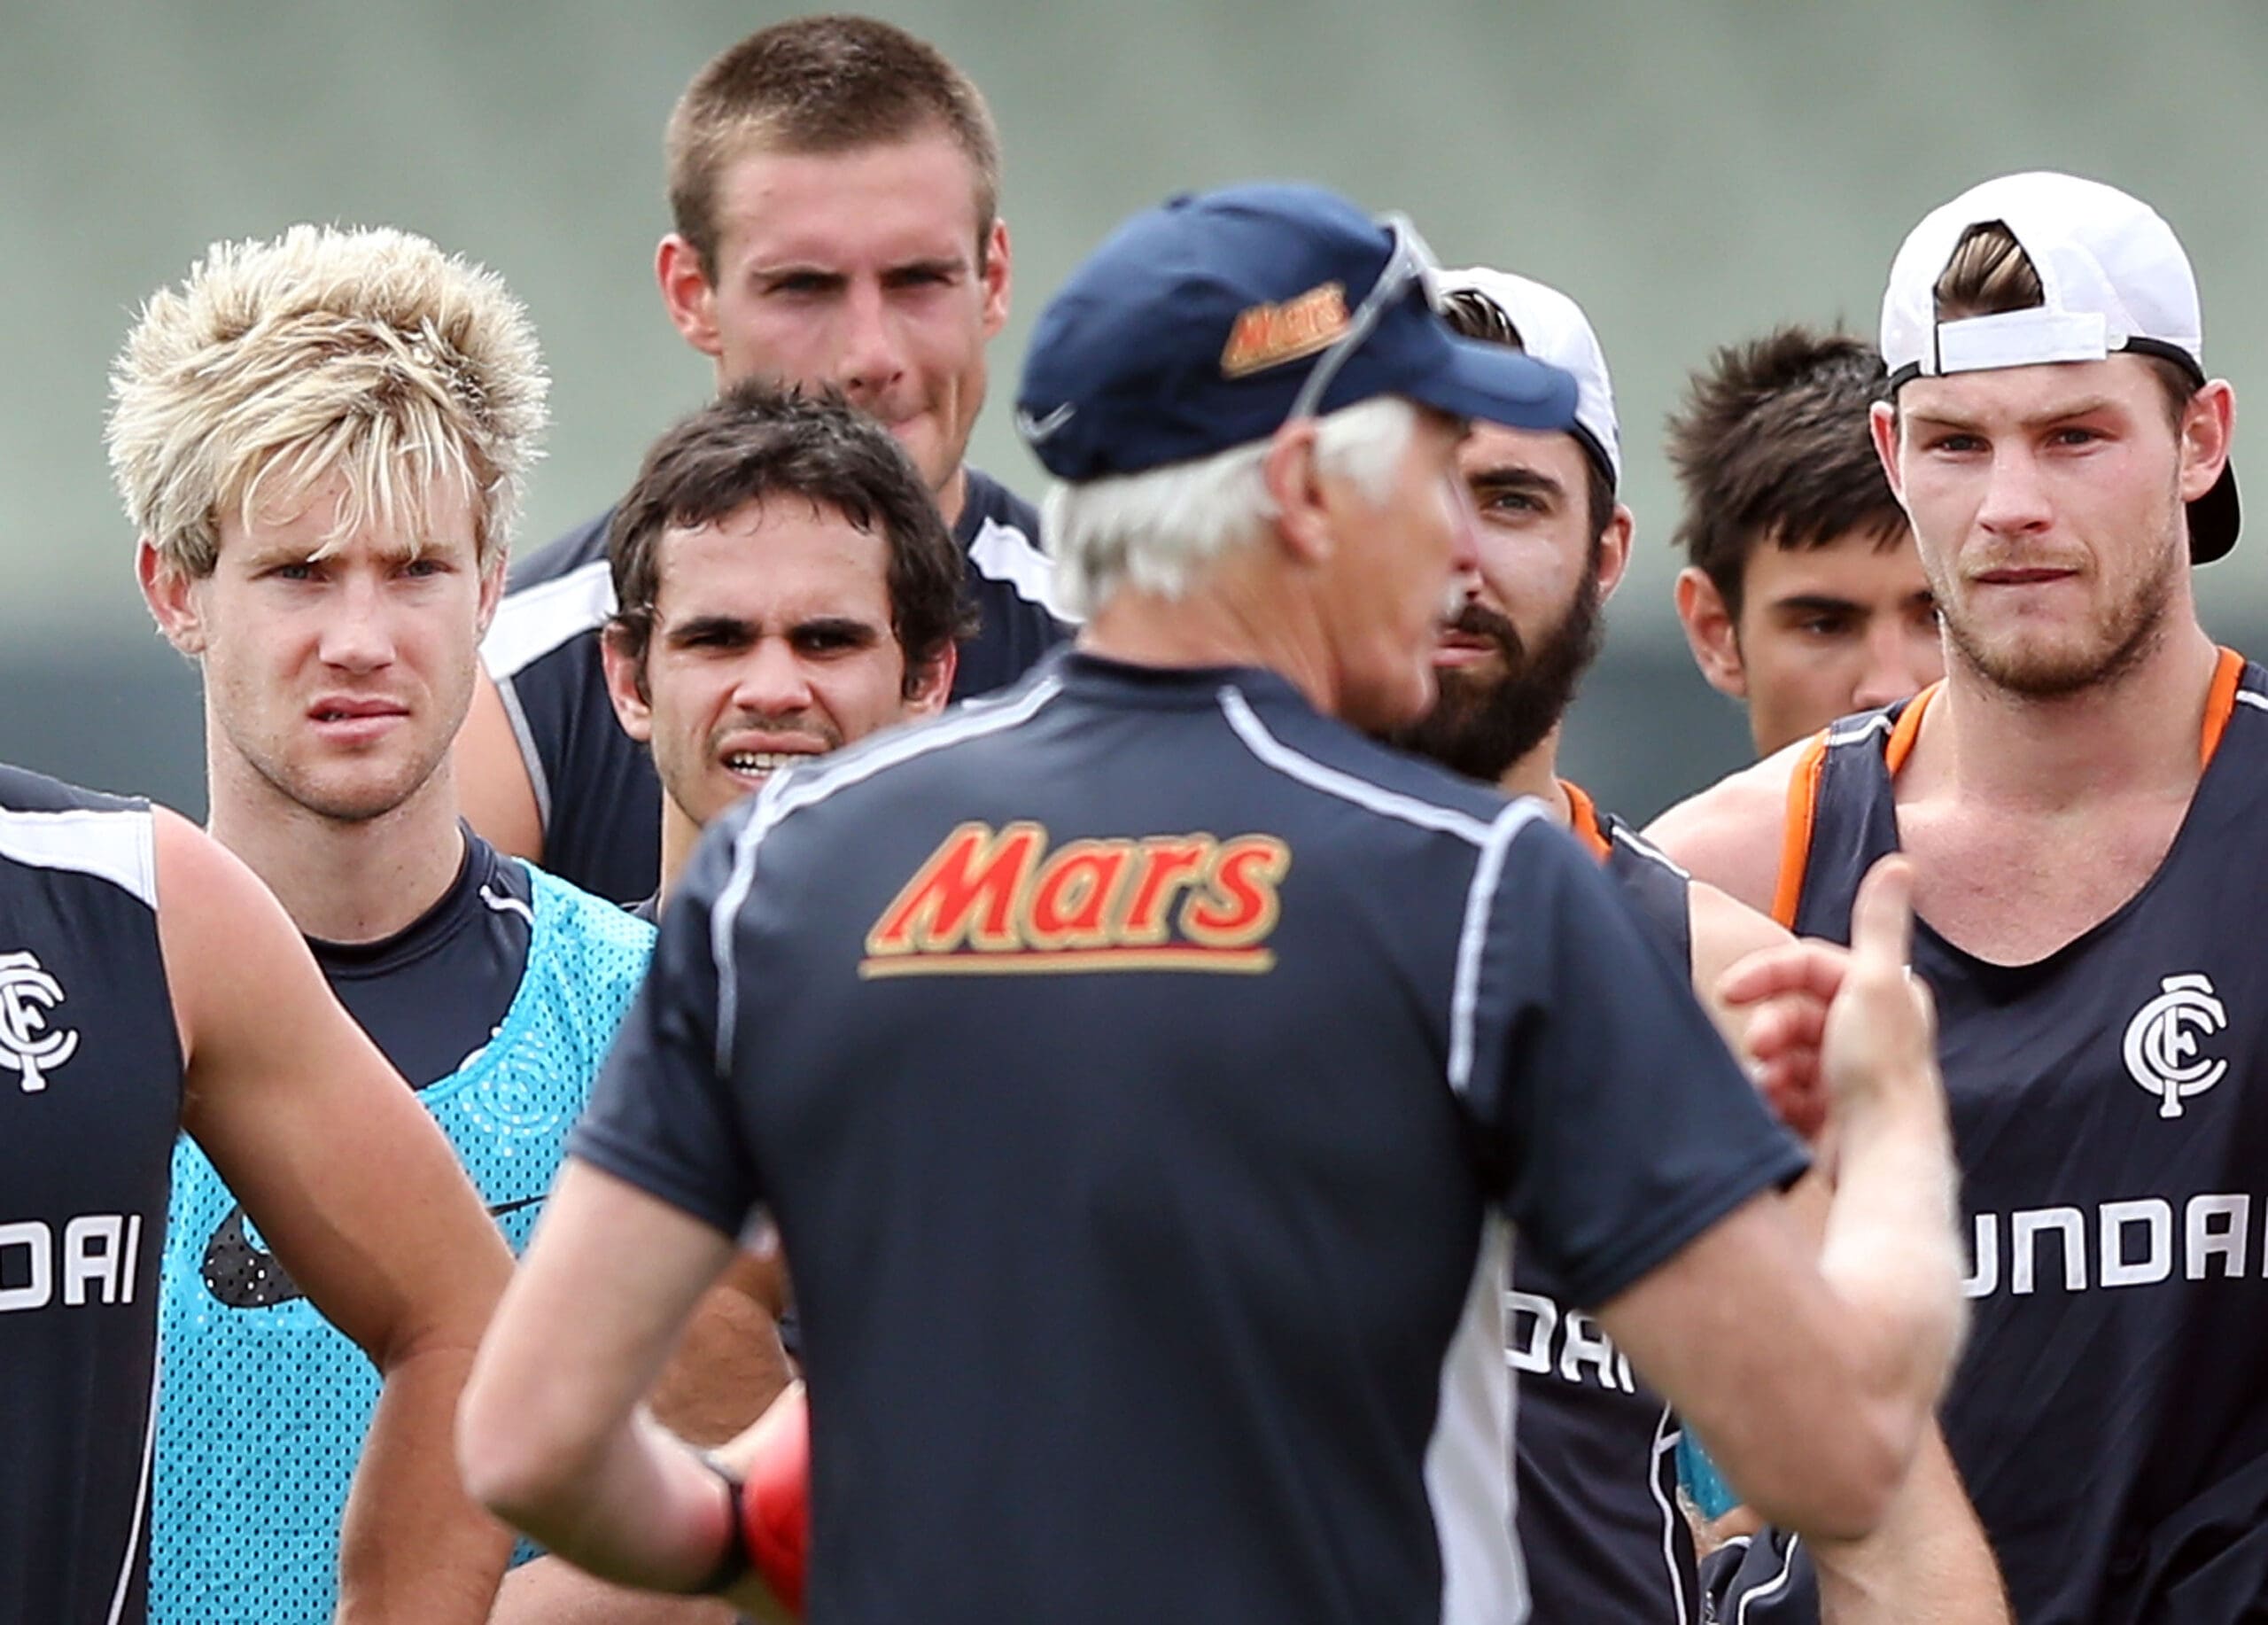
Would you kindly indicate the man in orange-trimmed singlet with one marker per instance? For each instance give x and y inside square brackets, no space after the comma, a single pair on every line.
[2075,798]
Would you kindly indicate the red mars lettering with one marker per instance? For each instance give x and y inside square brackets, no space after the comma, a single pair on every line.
[991,902]
[975,875]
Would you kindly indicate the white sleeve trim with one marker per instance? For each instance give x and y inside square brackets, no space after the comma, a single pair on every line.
[1005,554]
[1472,936]
[116,845]
[1347,787]
[535,620]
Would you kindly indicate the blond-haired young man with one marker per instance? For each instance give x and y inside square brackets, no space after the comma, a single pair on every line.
[321,442]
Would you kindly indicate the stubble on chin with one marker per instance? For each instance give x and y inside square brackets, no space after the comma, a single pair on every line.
[2117,641]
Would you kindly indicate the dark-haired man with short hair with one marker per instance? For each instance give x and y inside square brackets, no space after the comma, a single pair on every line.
[1802,596]
[1597,1499]
[834,187]
[785,587]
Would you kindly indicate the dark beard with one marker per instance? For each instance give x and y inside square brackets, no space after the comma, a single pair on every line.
[1481,725]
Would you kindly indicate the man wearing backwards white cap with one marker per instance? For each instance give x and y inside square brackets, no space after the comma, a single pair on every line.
[2078,798]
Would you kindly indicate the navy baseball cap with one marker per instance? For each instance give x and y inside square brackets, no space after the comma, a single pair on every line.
[1207,324]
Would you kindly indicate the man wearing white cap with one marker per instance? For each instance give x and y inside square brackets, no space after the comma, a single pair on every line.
[1598,1506]
[2073,797]
[1597,1476]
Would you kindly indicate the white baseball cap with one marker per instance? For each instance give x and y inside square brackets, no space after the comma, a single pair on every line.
[2114,278]
[1553,328]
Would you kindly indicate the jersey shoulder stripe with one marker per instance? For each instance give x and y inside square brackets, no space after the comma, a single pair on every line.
[1802,814]
[115,845]
[535,620]
[1472,937]
[804,787]
[1623,836]
[2228,691]
[1381,799]
[1003,553]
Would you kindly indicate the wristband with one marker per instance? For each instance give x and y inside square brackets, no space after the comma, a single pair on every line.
[734,1562]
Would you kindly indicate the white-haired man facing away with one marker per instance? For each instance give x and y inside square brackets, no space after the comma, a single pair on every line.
[1171,1054]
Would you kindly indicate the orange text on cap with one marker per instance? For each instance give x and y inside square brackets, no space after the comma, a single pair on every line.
[1269,334]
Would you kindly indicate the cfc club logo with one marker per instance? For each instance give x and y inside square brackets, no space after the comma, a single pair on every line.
[2161,1044]
[29,1044]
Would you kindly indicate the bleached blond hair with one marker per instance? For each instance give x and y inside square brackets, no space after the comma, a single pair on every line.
[1157,531]
[368,356]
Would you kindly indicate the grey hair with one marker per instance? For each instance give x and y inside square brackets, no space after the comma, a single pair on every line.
[1157,530]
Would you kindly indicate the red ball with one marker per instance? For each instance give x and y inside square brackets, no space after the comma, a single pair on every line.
[775,1498]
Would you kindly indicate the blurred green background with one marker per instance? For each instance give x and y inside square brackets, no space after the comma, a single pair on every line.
[1690,173]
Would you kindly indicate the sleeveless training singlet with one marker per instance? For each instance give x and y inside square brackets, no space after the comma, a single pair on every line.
[266,1405]
[2111,1115]
[1598,1516]
[90,1077]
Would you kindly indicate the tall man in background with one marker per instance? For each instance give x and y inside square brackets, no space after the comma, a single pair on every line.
[1801,596]
[321,442]
[834,183]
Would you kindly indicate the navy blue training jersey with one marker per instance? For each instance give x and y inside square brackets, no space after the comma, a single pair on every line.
[1596,1460]
[1133,1064]
[437,990]
[594,785]
[2111,1115]
[91,1079]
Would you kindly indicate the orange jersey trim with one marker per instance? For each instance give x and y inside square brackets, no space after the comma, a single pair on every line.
[1795,848]
[1583,822]
[1803,788]
[1909,729]
[2221,705]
